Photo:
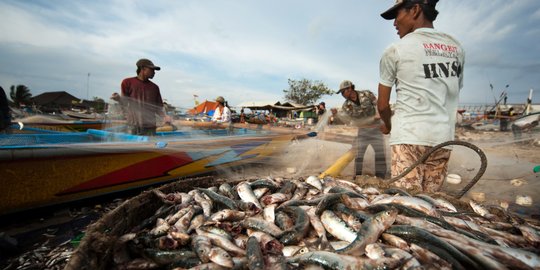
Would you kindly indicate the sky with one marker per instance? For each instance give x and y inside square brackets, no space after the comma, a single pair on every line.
[247,50]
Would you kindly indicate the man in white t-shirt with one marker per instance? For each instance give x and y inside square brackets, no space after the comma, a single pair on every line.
[426,67]
[222,114]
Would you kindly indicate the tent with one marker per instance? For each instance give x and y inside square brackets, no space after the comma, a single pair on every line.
[207,107]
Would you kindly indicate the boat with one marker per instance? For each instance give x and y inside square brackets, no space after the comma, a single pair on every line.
[528,121]
[51,168]
[44,123]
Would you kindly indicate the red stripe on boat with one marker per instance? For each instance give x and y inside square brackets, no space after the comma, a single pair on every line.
[147,169]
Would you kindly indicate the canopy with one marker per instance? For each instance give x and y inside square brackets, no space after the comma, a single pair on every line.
[207,107]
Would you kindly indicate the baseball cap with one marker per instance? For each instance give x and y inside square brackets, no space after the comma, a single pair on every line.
[147,63]
[391,13]
[220,99]
[343,85]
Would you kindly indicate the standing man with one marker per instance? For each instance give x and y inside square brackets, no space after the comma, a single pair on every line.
[426,67]
[360,109]
[142,99]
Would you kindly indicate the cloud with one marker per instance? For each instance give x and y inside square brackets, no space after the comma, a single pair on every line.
[247,50]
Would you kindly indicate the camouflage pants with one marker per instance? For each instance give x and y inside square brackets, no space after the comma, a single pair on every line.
[428,176]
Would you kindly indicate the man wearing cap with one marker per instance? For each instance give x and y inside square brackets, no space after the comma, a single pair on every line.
[222,114]
[426,67]
[142,99]
[359,109]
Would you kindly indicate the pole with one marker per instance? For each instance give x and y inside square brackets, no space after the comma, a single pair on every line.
[335,169]
[87,85]
[529,101]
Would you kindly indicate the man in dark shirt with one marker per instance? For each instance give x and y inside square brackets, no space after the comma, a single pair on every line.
[142,99]
[5,115]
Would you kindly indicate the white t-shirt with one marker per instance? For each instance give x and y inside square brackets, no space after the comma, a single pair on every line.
[427,68]
[220,117]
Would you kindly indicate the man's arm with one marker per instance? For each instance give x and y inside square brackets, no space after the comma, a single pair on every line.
[383,106]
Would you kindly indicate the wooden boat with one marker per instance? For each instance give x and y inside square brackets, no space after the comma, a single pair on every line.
[65,126]
[527,121]
[45,169]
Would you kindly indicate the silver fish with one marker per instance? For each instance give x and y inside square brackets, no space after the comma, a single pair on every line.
[315,182]
[221,257]
[226,215]
[222,242]
[331,260]
[201,245]
[269,213]
[246,194]
[412,202]
[337,227]
[262,225]
[370,232]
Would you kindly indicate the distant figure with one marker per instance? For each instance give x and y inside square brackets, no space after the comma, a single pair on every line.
[142,99]
[5,114]
[334,118]
[360,108]
[321,109]
[503,121]
[242,116]
[222,114]
[506,117]
[426,68]
[115,109]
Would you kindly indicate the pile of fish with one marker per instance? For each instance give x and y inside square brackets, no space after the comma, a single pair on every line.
[50,249]
[326,223]
[42,257]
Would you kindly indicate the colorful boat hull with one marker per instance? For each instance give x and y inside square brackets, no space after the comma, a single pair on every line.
[44,175]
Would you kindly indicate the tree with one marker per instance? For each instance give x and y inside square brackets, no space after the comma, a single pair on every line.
[99,104]
[305,91]
[20,94]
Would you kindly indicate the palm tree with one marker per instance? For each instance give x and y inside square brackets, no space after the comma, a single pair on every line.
[20,95]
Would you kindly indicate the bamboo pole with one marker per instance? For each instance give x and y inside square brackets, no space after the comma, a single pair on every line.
[335,169]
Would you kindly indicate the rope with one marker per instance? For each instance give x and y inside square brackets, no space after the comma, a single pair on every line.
[423,158]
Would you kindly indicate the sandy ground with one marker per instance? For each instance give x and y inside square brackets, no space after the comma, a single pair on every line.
[508,160]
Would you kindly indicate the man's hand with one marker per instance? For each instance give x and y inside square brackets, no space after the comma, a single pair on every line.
[167,119]
[115,97]
[384,129]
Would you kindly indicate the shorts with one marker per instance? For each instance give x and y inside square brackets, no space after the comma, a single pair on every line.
[429,176]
